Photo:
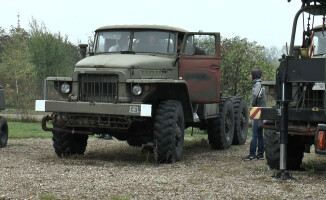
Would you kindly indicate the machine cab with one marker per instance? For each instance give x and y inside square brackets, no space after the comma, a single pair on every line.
[319,41]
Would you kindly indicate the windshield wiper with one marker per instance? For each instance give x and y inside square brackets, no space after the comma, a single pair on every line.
[101,52]
[127,52]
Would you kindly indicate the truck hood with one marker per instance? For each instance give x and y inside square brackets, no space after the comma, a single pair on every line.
[125,61]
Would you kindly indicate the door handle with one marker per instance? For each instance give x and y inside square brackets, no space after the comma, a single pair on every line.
[215,66]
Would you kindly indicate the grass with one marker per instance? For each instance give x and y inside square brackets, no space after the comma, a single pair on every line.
[118,197]
[195,132]
[23,130]
[47,197]
[19,111]
[314,166]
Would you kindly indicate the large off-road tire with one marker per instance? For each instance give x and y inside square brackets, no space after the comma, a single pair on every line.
[168,133]
[295,150]
[272,148]
[66,144]
[140,133]
[3,132]
[241,120]
[122,136]
[221,129]
[138,141]
[80,143]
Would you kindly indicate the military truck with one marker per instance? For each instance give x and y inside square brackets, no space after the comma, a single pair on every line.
[297,121]
[145,84]
[3,121]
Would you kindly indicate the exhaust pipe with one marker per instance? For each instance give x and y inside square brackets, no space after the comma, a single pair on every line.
[83,50]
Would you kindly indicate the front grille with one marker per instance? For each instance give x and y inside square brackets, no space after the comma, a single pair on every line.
[98,87]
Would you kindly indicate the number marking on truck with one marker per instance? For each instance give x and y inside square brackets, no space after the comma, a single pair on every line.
[134,109]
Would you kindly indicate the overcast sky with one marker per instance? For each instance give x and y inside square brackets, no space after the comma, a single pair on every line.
[268,22]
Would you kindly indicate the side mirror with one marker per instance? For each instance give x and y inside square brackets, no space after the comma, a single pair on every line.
[83,50]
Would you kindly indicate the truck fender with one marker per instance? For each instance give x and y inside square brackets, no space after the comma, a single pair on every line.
[179,93]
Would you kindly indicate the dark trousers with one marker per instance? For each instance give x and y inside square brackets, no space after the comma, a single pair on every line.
[257,138]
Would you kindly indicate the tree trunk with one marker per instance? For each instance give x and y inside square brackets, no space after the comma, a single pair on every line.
[17,93]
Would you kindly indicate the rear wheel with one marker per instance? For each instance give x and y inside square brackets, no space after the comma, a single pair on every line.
[241,120]
[169,131]
[295,150]
[3,132]
[221,129]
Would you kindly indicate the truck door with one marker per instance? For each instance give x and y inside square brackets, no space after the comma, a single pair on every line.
[199,65]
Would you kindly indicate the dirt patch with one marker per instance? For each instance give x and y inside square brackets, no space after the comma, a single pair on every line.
[111,169]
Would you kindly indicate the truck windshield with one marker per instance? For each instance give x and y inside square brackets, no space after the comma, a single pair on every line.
[137,41]
[320,43]
[142,41]
[153,41]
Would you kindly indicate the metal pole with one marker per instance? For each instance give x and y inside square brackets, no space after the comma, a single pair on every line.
[283,130]
[282,174]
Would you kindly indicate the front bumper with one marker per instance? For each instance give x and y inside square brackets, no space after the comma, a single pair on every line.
[131,109]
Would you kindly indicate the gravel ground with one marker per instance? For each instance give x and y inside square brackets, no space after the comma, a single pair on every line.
[29,169]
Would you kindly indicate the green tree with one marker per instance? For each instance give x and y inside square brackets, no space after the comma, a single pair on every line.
[3,38]
[273,54]
[52,54]
[16,69]
[27,58]
[239,57]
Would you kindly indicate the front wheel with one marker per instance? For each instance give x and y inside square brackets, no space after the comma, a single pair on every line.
[66,144]
[3,132]
[221,129]
[168,133]
[295,150]
[140,133]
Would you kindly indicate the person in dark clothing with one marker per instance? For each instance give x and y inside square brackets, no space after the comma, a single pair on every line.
[199,51]
[258,99]
[191,50]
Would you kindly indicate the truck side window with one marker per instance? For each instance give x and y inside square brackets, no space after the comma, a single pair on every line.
[200,45]
[320,43]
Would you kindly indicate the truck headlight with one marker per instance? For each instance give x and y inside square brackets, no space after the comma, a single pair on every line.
[137,90]
[65,88]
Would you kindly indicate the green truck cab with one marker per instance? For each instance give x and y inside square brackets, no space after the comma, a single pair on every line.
[145,84]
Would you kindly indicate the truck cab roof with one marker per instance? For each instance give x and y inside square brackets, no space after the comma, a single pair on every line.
[157,27]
